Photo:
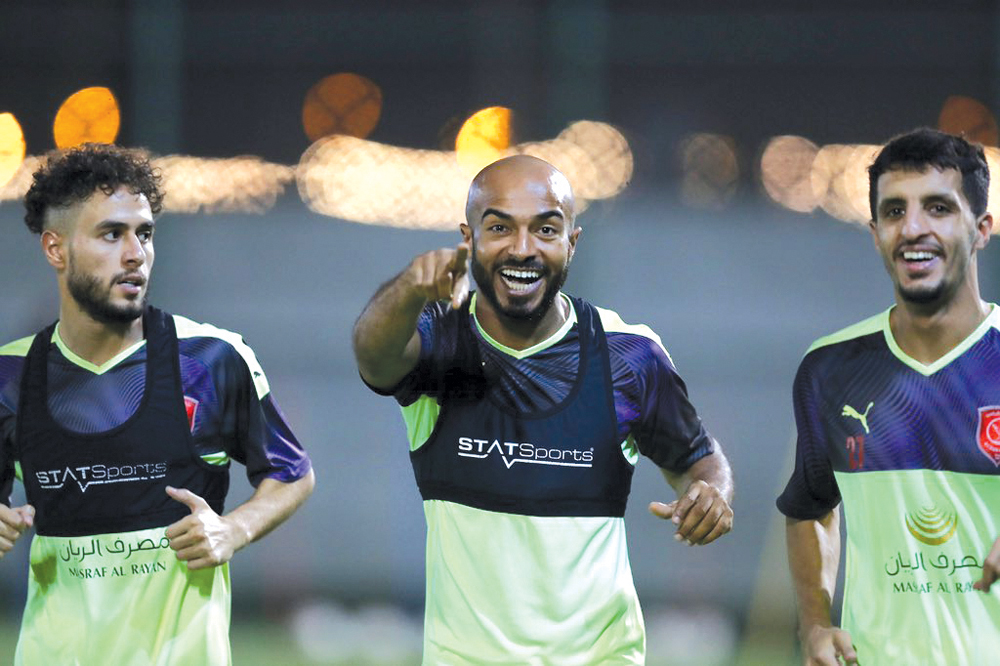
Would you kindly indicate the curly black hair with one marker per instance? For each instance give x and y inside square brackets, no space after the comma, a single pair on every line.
[72,176]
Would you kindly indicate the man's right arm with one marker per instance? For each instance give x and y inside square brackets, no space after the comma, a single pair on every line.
[14,521]
[814,558]
[386,342]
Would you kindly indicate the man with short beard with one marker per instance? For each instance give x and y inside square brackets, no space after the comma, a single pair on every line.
[899,417]
[526,411]
[121,420]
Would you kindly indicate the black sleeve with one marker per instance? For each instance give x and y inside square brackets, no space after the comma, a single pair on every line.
[812,491]
[668,431]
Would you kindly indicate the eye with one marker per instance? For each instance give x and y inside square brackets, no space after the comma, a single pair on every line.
[548,230]
[145,236]
[497,228]
[112,235]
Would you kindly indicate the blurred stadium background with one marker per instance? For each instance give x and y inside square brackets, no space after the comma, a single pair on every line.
[310,153]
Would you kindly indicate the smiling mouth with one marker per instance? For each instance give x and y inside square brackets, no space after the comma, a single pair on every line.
[520,280]
[918,260]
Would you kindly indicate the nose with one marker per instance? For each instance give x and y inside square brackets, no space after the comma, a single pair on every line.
[133,251]
[523,245]
[915,223]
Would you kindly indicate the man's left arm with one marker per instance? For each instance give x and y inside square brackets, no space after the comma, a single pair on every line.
[258,436]
[702,511]
[205,539]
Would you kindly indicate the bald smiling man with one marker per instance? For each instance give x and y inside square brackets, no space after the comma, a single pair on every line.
[526,411]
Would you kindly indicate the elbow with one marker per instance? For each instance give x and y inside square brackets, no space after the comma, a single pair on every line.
[308,484]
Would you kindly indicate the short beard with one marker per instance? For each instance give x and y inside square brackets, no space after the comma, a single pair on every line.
[484,283]
[922,296]
[87,292]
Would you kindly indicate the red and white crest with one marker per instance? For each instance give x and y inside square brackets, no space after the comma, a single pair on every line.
[191,407]
[988,433]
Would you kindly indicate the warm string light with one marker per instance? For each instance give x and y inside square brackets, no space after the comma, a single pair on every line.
[342,174]
[372,183]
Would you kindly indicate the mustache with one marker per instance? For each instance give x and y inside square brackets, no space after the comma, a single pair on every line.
[530,264]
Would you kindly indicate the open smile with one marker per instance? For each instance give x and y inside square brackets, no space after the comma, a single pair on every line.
[918,262]
[520,281]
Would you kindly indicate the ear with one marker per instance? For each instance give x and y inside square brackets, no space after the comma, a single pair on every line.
[873,228]
[984,228]
[54,248]
[466,232]
[574,236]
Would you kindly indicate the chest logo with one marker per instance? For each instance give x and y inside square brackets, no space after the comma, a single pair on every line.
[524,452]
[988,433]
[932,526]
[853,413]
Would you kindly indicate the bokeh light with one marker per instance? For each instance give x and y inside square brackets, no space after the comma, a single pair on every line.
[609,154]
[483,138]
[11,147]
[238,184]
[372,183]
[89,115]
[786,170]
[343,103]
[840,180]
[711,170]
[968,117]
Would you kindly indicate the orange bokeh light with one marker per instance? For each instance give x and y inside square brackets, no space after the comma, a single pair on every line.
[88,116]
[483,138]
[343,103]
[11,147]
[970,118]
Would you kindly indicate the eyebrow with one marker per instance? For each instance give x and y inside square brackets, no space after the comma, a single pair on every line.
[505,216]
[108,225]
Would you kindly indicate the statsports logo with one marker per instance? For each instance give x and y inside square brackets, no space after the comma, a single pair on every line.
[988,433]
[99,475]
[931,525]
[524,452]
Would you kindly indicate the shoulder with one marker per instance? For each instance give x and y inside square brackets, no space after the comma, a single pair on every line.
[12,357]
[636,344]
[214,346]
[849,340]
[17,347]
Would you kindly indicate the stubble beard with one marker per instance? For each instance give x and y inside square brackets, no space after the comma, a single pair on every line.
[484,283]
[95,300]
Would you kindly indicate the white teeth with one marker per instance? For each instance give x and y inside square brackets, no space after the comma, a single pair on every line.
[918,256]
[523,275]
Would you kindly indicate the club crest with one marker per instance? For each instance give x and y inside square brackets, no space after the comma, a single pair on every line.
[988,433]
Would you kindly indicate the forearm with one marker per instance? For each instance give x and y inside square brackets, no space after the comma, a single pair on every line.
[814,557]
[713,469]
[386,345]
[272,504]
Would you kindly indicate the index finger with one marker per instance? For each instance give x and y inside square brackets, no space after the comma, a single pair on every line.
[458,262]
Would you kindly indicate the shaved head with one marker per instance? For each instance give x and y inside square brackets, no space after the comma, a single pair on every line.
[519,176]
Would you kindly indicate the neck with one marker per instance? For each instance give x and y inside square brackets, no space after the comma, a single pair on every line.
[926,332]
[521,334]
[94,341]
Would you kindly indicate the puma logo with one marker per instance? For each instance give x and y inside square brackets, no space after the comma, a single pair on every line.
[853,413]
